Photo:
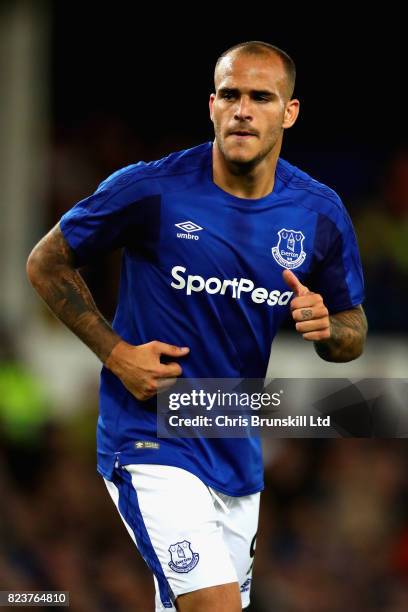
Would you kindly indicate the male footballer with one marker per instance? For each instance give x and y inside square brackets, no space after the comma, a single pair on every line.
[219,243]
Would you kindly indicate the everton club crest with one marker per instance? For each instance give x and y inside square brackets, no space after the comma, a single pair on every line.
[289,252]
[183,559]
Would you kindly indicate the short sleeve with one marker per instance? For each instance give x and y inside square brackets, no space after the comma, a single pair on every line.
[103,221]
[337,272]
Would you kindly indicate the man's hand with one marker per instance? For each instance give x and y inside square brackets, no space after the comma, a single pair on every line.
[339,337]
[308,310]
[140,369]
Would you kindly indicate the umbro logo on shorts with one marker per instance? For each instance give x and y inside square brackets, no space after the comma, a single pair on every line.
[245,588]
[188,227]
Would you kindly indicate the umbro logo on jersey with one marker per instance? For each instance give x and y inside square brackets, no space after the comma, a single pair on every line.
[142,444]
[188,228]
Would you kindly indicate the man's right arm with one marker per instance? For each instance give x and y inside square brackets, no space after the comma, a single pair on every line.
[52,271]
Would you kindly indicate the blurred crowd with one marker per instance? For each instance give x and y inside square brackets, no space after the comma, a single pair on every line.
[381,223]
[59,531]
[334,525]
[333,531]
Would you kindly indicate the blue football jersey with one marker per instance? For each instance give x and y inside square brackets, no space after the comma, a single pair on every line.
[203,268]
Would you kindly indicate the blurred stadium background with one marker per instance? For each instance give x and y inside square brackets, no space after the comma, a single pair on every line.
[84,94]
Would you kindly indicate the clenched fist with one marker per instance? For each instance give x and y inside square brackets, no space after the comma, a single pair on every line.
[308,310]
[140,369]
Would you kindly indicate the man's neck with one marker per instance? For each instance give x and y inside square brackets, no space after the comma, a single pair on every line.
[254,184]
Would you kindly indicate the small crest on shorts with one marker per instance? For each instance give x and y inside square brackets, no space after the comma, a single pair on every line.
[183,559]
[289,252]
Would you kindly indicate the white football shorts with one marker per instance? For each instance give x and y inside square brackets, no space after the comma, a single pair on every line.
[190,536]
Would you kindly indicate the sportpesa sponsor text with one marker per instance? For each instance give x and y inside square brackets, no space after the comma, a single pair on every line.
[235,287]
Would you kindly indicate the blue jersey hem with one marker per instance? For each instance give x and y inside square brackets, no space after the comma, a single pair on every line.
[129,460]
[346,306]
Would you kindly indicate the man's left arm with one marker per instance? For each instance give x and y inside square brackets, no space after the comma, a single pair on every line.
[348,331]
[338,337]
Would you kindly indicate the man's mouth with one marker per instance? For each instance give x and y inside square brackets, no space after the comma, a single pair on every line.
[242,134]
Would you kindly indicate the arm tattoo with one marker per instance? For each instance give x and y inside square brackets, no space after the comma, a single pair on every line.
[51,270]
[348,334]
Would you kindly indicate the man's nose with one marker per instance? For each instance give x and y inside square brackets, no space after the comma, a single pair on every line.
[243,110]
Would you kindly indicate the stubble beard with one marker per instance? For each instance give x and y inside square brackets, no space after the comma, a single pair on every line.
[242,167]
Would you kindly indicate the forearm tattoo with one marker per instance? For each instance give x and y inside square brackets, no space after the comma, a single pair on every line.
[348,333]
[51,269]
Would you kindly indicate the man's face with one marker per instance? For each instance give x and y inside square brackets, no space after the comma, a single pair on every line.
[250,108]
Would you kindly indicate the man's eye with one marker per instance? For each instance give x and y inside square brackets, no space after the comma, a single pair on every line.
[227,95]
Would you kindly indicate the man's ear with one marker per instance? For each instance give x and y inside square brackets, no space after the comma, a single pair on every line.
[211,104]
[291,113]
